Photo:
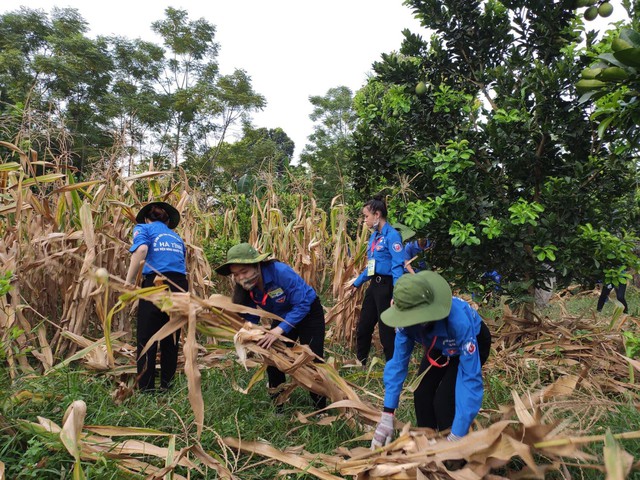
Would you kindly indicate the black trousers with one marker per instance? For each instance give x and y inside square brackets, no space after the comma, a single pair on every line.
[435,397]
[620,292]
[150,320]
[309,331]
[377,299]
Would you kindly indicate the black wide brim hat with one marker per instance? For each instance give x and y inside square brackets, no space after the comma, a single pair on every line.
[174,215]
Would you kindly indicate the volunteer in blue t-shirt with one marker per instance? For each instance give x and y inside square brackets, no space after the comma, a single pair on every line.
[275,287]
[456,344]
[162,252]
[415,249]
[385,265]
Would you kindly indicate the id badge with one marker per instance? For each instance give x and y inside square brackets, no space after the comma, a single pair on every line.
[371,267]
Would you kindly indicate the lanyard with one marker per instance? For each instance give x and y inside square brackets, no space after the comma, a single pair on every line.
[262,302]
[374,244]
[431,360]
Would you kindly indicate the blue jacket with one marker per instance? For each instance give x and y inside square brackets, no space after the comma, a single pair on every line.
[455,335]
[385,247]
[166,249]
[412,249]
[285,293]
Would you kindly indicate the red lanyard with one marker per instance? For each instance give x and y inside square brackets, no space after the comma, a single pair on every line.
[263,302]
[431,360]
[374,244]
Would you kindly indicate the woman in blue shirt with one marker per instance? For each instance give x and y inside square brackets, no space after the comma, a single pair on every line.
[456,343]
[275,287]
[385,265]
[161,251]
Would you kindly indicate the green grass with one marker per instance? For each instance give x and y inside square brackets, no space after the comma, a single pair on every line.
[252,417]
[228,413]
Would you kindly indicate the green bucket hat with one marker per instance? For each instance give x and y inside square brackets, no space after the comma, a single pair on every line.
[174,215]
[418,298]
[241,253]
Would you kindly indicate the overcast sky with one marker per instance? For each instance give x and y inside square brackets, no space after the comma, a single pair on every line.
[292,49]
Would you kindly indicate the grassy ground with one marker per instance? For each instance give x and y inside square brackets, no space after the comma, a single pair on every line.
[230,413]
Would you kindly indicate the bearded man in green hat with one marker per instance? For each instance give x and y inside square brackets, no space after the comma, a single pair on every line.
[456,343]
[275,287]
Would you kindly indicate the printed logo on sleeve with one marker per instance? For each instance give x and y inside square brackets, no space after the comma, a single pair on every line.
[469,348]
[136,232]
[397,247]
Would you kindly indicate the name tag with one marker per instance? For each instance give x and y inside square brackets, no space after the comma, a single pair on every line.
[371,267]
[276,293]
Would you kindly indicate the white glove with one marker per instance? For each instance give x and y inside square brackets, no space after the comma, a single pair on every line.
[453,438]
[384,431]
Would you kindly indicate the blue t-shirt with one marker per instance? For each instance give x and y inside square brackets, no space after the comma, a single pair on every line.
[385,247]
[285,293]
[412,249]
[166,249]
[455,336]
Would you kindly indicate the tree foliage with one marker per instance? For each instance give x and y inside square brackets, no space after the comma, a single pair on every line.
[164,103]
[330,144]
[479,130]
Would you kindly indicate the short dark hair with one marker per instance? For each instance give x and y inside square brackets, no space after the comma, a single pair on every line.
[376,204]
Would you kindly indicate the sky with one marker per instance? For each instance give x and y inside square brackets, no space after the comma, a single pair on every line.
[292,49]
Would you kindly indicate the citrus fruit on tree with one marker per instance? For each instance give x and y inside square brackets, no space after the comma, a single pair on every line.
[605,9]
[591,13]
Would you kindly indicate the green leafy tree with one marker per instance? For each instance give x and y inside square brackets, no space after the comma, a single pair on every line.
[201,103]
[483,118]
[50,65]
[238,163]
[134,104]
[328,150]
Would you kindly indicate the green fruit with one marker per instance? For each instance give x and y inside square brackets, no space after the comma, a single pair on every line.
[591,13]
[586,85]
[590,73]
[619,44]
[605,9]
[629,56]
[613,74]
[421,88]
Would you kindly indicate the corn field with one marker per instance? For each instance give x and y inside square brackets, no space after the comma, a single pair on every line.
[57,233]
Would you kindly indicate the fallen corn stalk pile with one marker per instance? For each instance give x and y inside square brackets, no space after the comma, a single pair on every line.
[589,347]
[523,432]
[217,317]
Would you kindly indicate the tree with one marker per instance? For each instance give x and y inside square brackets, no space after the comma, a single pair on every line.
[479,131]
[189,77]
[49,65]
[258,146]
[330,143]
[84,97]
[134,103]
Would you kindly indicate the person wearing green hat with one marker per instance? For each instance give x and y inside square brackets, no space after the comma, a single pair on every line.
[456,343]
[162,252]
[274,286]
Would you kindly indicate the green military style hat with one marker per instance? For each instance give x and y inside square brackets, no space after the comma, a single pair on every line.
[241,253]
[418,298]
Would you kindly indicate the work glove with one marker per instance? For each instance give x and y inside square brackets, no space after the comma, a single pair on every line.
[453,438]
[384,431]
